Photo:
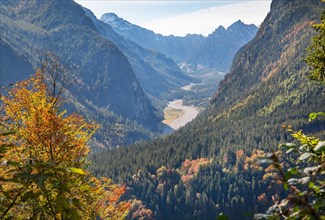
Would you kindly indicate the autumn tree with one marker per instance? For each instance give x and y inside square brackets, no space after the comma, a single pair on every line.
[43,162]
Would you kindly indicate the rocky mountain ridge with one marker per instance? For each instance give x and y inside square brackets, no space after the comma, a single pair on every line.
[214,52]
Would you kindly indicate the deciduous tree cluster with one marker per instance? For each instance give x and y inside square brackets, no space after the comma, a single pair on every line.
[43,160]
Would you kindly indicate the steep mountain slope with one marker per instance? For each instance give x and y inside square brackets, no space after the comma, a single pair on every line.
[265,89]
[11,72]
[104,79]
[194,50]
[156,73]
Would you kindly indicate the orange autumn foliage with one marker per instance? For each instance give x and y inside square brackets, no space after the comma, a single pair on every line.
[43,160]
[191,167]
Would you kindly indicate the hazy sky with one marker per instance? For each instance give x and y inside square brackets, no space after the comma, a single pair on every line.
[182,17]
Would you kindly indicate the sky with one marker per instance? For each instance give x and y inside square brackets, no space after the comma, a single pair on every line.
[182,17]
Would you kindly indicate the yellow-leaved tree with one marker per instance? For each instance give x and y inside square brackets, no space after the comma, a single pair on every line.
[43,160]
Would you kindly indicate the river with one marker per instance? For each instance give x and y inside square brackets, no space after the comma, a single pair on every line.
[190,112]
[185,113]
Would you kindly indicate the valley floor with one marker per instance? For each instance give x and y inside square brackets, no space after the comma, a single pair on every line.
[188,113]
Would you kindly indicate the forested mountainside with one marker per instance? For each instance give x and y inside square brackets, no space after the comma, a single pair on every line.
[103,80]
[214,52]
[8,72]
[156,73]
[265,91]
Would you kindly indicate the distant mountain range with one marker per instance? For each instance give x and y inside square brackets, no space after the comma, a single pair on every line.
[219,48]
[195,52]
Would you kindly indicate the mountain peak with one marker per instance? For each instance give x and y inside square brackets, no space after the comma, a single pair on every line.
[237,24]
[219,29]
[116,22]
[110,16]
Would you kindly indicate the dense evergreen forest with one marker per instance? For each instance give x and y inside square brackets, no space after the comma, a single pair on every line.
[265,92]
